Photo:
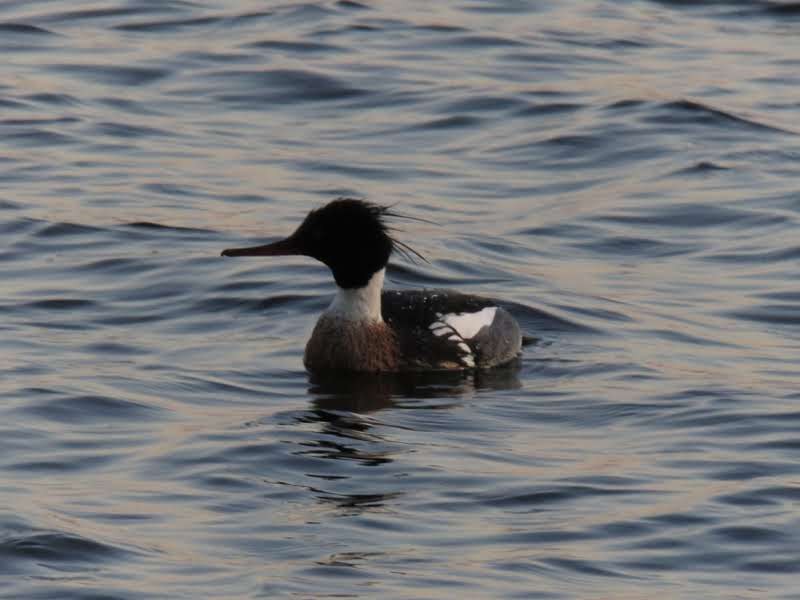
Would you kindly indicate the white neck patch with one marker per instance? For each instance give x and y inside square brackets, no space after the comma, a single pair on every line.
[359,304]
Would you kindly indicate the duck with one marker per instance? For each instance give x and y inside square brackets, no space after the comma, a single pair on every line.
[368,329]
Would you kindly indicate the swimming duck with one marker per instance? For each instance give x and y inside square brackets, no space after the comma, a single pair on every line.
[369,329]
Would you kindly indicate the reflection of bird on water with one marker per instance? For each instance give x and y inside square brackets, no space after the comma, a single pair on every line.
[361,392]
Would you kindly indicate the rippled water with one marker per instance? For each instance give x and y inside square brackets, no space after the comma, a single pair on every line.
[624,175]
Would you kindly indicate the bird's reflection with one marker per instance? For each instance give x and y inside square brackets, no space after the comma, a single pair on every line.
[369,392]
[344,407]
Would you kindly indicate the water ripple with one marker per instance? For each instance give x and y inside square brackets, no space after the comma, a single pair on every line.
[282,86]
[24,29]
[621,177]
[114,75]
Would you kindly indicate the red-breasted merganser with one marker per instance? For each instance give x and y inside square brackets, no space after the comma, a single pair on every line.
[368,329]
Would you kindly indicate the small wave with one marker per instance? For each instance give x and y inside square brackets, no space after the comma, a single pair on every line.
[44,121]
[758,256]
[240,286]
[62,304]
[766,8]
[482,104]
[116,266]
[681,520]
[57,547]
[23,28]
[583,567]
[782,9]
[626,104]
[168,25]
[139,318]
[762,496]
[16,225]
[685,215]
[552,495]
[303,12]
[113,349]
[282,86]
[696,113]
[128,131]
[312,303]
[454,122]
[116,75]
[629,246]
[560,231]
[551,60]
[54,99]
[159,227]
[684,338]
[703,167]
[575,141]
[295,47]
[409,274]
[749,535]
[63,229]
[7,103]
[549,108]
[770,314]
[481,41]
[539,320]
[8,205]
[38,137]
[364,171]
[90,14]
[250,17]
[351,4]
[773,566]
[90,409]
[129,106]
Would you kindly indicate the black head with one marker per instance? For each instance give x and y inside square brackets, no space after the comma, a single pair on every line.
[347,235]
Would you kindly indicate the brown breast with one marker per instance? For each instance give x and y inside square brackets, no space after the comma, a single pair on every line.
[351,346]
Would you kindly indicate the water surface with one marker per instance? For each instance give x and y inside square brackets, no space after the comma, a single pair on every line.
[622,175]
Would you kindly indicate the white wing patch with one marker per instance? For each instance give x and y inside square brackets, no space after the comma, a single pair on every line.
[469,324]
[443,327]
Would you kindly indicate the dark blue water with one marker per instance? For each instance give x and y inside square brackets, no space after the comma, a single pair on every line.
[623,175]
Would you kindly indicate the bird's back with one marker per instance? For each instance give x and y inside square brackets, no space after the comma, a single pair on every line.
[439,329]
